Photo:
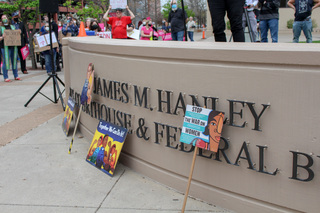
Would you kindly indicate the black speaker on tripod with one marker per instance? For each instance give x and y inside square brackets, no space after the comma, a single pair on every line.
[50,6]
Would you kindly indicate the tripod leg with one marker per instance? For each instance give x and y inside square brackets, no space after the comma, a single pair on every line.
[54,90]
[60,80]
[34,95]
[60,94]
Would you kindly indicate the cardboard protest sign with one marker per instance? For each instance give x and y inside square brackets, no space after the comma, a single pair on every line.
[43,42]
[13,38]
[106,146]
[134,34]
[67,117]
[118,3]
[202,128]
[104,34]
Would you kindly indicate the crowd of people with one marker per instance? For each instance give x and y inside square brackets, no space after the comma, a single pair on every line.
[261,15]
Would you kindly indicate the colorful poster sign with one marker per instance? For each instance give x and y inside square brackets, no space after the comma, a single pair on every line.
[118,4]
[25,52]
[106,146]
[202,127]
[86,94]
[67,117]
[104,34]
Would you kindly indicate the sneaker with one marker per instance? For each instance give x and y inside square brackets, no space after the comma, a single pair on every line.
[17,79]
[7,80]
[25,72]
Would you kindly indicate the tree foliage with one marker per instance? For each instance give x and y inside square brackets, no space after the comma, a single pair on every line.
[92,9]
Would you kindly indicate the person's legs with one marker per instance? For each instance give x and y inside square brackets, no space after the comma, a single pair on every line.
[253,24]
[47,58]
[12,58]
[180,35]
[174,36]
[235,13]
[274,28]
[55,58]
[263,24]
[190,33]
[307,30]
[218,10]
[4,67]
[296,29]
[22,62]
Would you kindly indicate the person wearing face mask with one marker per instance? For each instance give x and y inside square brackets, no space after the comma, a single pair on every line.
[152,25]
[47,53]
[55,29]
[94,26]
[70,27]
[119,23]
[146,32]
[9,53]
[24,39]
[177,20]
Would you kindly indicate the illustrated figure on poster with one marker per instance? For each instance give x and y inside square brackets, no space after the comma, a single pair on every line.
[65,119]
[213,130]
[67,116]
[93,154]
[106,156]
[112,158]
[102,152]
[69,121]
[88,86]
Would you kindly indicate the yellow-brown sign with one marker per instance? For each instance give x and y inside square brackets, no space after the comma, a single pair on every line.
[12,38]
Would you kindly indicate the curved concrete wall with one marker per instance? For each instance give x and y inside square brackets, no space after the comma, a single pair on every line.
[269,158]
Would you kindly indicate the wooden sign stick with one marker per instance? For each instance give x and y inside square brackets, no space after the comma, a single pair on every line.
[75,129]
[190,178]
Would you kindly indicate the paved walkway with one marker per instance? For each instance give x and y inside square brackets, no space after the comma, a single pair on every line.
[38,175]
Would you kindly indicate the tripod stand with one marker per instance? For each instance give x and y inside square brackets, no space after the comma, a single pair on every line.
[245,11]
[53,75]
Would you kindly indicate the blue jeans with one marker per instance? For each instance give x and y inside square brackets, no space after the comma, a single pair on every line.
[190,34]
[306,26]
[273,25]
[48,62]
[177,36]
[4,67]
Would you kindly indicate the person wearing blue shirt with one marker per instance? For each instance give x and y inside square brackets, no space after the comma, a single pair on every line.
[24,39]
[47,54]
[70,27]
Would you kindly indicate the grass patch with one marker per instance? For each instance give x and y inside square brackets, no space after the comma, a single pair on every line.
[312,42]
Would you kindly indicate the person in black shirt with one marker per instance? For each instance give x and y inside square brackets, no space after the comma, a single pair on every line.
[177,20]
[234,9]
[24,39]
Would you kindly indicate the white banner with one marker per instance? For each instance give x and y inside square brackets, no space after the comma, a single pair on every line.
[104,34]
[118,4]
[134,34]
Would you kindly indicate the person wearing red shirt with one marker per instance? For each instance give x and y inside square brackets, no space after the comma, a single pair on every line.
[119,23]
